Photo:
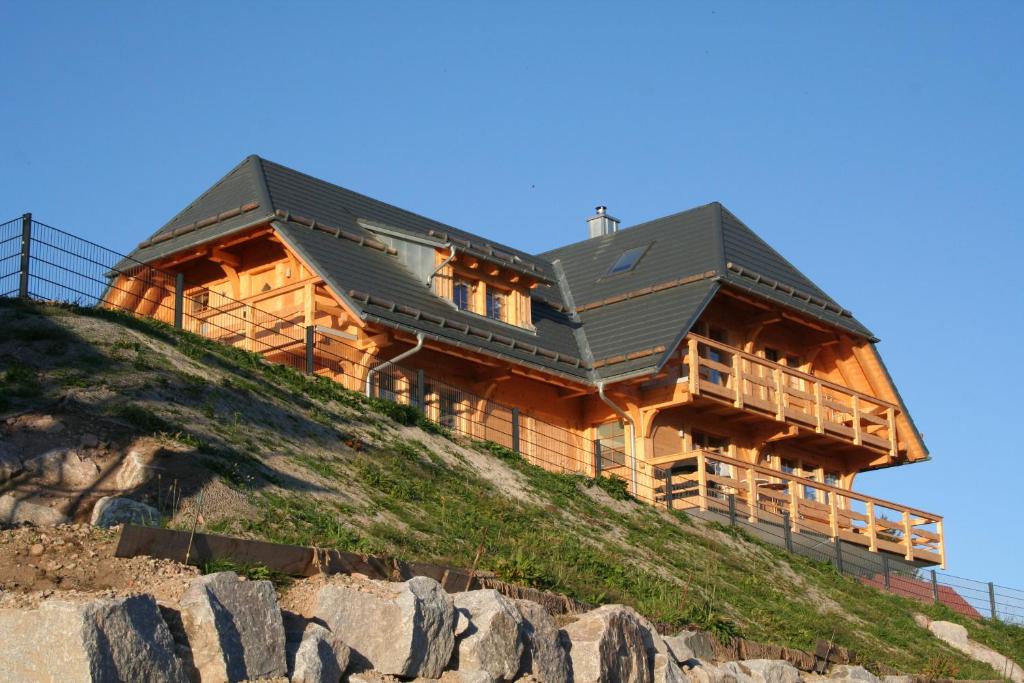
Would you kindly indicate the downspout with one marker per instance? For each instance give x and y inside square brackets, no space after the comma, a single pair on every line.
[632,431]
[389,363]
[451,257]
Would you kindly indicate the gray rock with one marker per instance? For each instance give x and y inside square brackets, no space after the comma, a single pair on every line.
[847,672]
[14,510]
[413,624]
[135,471]
[666,670]
[64,468]
[664,666]
[545,656]
[493,642]
[956,637]
[608,644]
[319,657]
[113,510]
[118,639]
[232,628]
[771,671]
[689,645]
[10,464]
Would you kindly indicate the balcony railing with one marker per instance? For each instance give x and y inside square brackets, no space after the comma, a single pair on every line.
[759,493]
[788,395]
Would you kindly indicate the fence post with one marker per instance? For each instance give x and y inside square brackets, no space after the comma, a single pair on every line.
[26,245]
[885,571]
[179,300]
[310,340]
[732,509]
[421,391]
[839,556]
[597,458]
[788,529]
[992,598]
[515,430]
[935,587]
[668,490]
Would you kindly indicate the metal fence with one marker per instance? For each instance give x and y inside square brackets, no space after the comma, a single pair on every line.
[41,262]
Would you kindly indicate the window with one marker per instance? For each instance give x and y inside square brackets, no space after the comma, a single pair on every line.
[832,479]
[495,304]
[460,295]
[628,260]
[613,443]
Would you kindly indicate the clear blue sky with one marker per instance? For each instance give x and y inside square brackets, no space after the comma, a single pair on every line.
[877,145]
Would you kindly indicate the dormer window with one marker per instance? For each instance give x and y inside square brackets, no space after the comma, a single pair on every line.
[461,293]
[495,304]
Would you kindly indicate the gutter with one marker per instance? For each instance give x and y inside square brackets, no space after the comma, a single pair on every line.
[449,245]
[632,431]
[389,363]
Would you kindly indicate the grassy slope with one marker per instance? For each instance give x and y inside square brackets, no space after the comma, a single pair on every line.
[319,465]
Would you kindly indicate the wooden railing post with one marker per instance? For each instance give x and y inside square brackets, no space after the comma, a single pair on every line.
[669,485]
[737,378]
[872,527]
[702,481]
[819,416]
[833,514]
[693,360]
[794,504]
[942,543]
[855,404]
[908,533]
[780,395]
[890,417]
[751,495]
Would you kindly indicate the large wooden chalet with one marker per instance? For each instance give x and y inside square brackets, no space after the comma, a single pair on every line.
[685,345]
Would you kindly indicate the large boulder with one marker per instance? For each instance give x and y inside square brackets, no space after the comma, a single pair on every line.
[956,636]
[770,671]
[18,510]
[609,644]
[113,510]
[403,629]
[318,656]
[852,674]
[106,639]
[689,645]
[545,656]
[493,640]
[60,467]
[232,628]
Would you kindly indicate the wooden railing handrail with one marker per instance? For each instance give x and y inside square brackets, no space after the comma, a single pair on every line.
[714,455]
[791,371]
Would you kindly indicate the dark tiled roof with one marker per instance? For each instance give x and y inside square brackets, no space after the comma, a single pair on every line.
[589,325]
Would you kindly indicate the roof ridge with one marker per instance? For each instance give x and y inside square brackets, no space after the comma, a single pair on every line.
[262,186]
[720,242]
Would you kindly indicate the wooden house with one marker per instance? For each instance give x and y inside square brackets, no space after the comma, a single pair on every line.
[707,367]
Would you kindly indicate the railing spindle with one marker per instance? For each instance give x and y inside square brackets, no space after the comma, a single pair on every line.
[702,481]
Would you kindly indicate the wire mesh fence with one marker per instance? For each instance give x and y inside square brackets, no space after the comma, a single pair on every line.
[45,263]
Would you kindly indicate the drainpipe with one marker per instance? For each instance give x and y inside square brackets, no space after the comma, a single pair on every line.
[444,263]
[632,431]
[389,363]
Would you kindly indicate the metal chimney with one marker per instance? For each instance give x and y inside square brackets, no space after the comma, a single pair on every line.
[601,223]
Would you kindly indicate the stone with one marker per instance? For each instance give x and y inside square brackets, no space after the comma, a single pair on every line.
[545,656]
[232,628]
[113,510]
[64,468]
[689,645]
[10,464]
[89,441]
[666,670]
[14,510]
[608,644]
[413,624]
[134,472]
[106,639]
[771,671]
[36,549]
[318,657]
[493,642]
[849,672]
[956,637]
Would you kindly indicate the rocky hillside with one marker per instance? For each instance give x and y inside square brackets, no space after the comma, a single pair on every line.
[98,405]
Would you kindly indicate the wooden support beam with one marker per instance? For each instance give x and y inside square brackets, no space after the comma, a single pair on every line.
[702,481]
[693,362]
[780,395]
[794,505]
[908,535]
[833,515]
[890,420]
[737,379]
[872,527]
[819,413]
[752,502]
[218,255]
[855,403]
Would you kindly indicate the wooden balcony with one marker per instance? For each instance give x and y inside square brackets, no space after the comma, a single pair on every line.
[759,493]
[727,374]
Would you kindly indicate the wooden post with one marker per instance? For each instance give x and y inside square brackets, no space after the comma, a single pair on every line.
[737,377]
[780,396]
[942,543]
[515,430]
[833,514]
[855,403]
[890,416]
[732,509]
[668,490]
[991,598]
[935,587]
[179,299]
[693,360]
[751,495]
[872,527]
[788,530]
[794,504]
[26,248]
[885,571]
[908,534]
[702,481]
[310,343]
[819,413]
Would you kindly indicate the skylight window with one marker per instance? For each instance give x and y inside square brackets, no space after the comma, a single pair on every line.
[628,260]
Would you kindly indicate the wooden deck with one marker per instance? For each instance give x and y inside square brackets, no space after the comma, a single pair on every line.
[751,383]
[709,479]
